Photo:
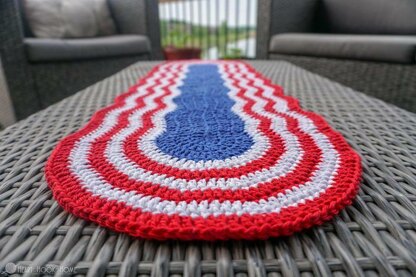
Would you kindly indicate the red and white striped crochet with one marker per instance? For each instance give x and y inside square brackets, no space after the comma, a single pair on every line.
[204,150]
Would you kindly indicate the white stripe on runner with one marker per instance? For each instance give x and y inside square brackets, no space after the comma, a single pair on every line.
[320,181]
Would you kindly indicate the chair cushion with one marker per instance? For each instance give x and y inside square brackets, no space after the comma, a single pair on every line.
[47,50]
[398,49]
[69,18]
[371,16]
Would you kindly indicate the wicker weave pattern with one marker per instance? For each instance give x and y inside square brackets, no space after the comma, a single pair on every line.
[51,90]
[377,235]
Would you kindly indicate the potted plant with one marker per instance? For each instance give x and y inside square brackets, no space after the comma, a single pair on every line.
[180,49]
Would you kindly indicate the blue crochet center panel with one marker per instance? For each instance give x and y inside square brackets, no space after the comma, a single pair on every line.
[203,127]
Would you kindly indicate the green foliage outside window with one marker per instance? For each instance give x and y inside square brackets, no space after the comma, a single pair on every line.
[181,34]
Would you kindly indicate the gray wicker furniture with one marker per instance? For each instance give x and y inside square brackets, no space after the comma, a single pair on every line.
[375,236]
[377,56]
[41,71]
[6,109]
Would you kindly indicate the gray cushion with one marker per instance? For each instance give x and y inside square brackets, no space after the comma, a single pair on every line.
[46,50]
[399,49]
[69,18]
[371,16]
[129,15]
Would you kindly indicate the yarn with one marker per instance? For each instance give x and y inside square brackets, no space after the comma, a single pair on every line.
[204,150]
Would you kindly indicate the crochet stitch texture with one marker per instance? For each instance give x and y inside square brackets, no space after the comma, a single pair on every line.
[204,150]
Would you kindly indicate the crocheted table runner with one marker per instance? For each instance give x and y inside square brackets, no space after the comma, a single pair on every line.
[204,150]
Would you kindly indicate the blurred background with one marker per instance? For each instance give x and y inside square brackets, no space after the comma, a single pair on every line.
[221,29]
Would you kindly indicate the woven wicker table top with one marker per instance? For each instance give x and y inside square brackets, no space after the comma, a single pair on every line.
[375,236]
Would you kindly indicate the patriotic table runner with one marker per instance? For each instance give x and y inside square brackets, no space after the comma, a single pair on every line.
[204,150]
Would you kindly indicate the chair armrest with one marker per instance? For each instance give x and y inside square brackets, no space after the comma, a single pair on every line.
[16,68]
[11,32]
[283,16]
[129,16]
[153,28]
[138,17]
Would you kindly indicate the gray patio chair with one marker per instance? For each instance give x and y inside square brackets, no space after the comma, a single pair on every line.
[369,45]
[41,71]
